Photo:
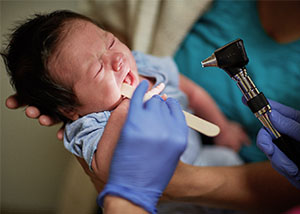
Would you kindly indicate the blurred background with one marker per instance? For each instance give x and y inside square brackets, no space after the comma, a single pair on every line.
[33,161]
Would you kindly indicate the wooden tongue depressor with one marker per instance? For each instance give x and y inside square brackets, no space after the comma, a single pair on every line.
[194,122]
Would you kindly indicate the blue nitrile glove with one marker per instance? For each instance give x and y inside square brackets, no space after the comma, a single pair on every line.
[287,121]
[151,142]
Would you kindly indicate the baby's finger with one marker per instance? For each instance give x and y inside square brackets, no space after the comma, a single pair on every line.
[164,97]
[157,90]
[154,91]
[175,109]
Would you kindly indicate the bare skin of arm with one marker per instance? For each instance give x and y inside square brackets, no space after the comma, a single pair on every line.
[102,157]
[254,187]
[232,134]
[116,205]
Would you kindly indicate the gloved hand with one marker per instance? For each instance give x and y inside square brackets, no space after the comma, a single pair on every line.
[287,121]
[151,142]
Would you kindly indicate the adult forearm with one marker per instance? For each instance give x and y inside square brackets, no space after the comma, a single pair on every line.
[249,187]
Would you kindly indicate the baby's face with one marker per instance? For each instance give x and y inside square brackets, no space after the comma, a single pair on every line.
[95,64]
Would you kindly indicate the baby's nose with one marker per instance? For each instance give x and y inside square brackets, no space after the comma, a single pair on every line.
[117,61]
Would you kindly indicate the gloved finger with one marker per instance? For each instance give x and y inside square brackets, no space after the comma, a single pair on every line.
[286,110]
[175,109]
[164,110]
[295,180]
[154,103]
[138,96]
[283,164]
[264,142]
[244,100]
[285,125]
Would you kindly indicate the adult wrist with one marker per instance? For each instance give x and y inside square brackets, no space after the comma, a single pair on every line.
[147,199]
[115,204]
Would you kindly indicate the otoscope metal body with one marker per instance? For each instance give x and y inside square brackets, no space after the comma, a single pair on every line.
[232,58]
[250,92]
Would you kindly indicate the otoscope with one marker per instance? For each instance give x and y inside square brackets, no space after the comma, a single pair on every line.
[232,58]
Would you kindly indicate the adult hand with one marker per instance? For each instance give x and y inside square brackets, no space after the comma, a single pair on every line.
[151,142]
[34,113]
[287,121]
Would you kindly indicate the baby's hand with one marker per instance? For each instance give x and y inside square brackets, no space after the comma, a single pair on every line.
[34,113]
[156,91]
[233,136]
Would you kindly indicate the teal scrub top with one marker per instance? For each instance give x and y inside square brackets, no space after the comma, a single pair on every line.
[273,67]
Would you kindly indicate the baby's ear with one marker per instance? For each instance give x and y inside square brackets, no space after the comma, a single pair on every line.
[69,113]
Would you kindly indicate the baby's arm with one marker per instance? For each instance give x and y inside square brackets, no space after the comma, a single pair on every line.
[102,157]
[109,139]
[232,134]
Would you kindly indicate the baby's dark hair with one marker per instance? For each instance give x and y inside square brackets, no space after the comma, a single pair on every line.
[26,57]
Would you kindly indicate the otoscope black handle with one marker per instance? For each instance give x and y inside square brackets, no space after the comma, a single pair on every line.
[290,147]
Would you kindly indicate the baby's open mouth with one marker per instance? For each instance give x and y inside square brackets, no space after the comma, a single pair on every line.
[128,79]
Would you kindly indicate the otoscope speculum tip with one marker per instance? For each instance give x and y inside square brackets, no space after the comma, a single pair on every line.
[210,61]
